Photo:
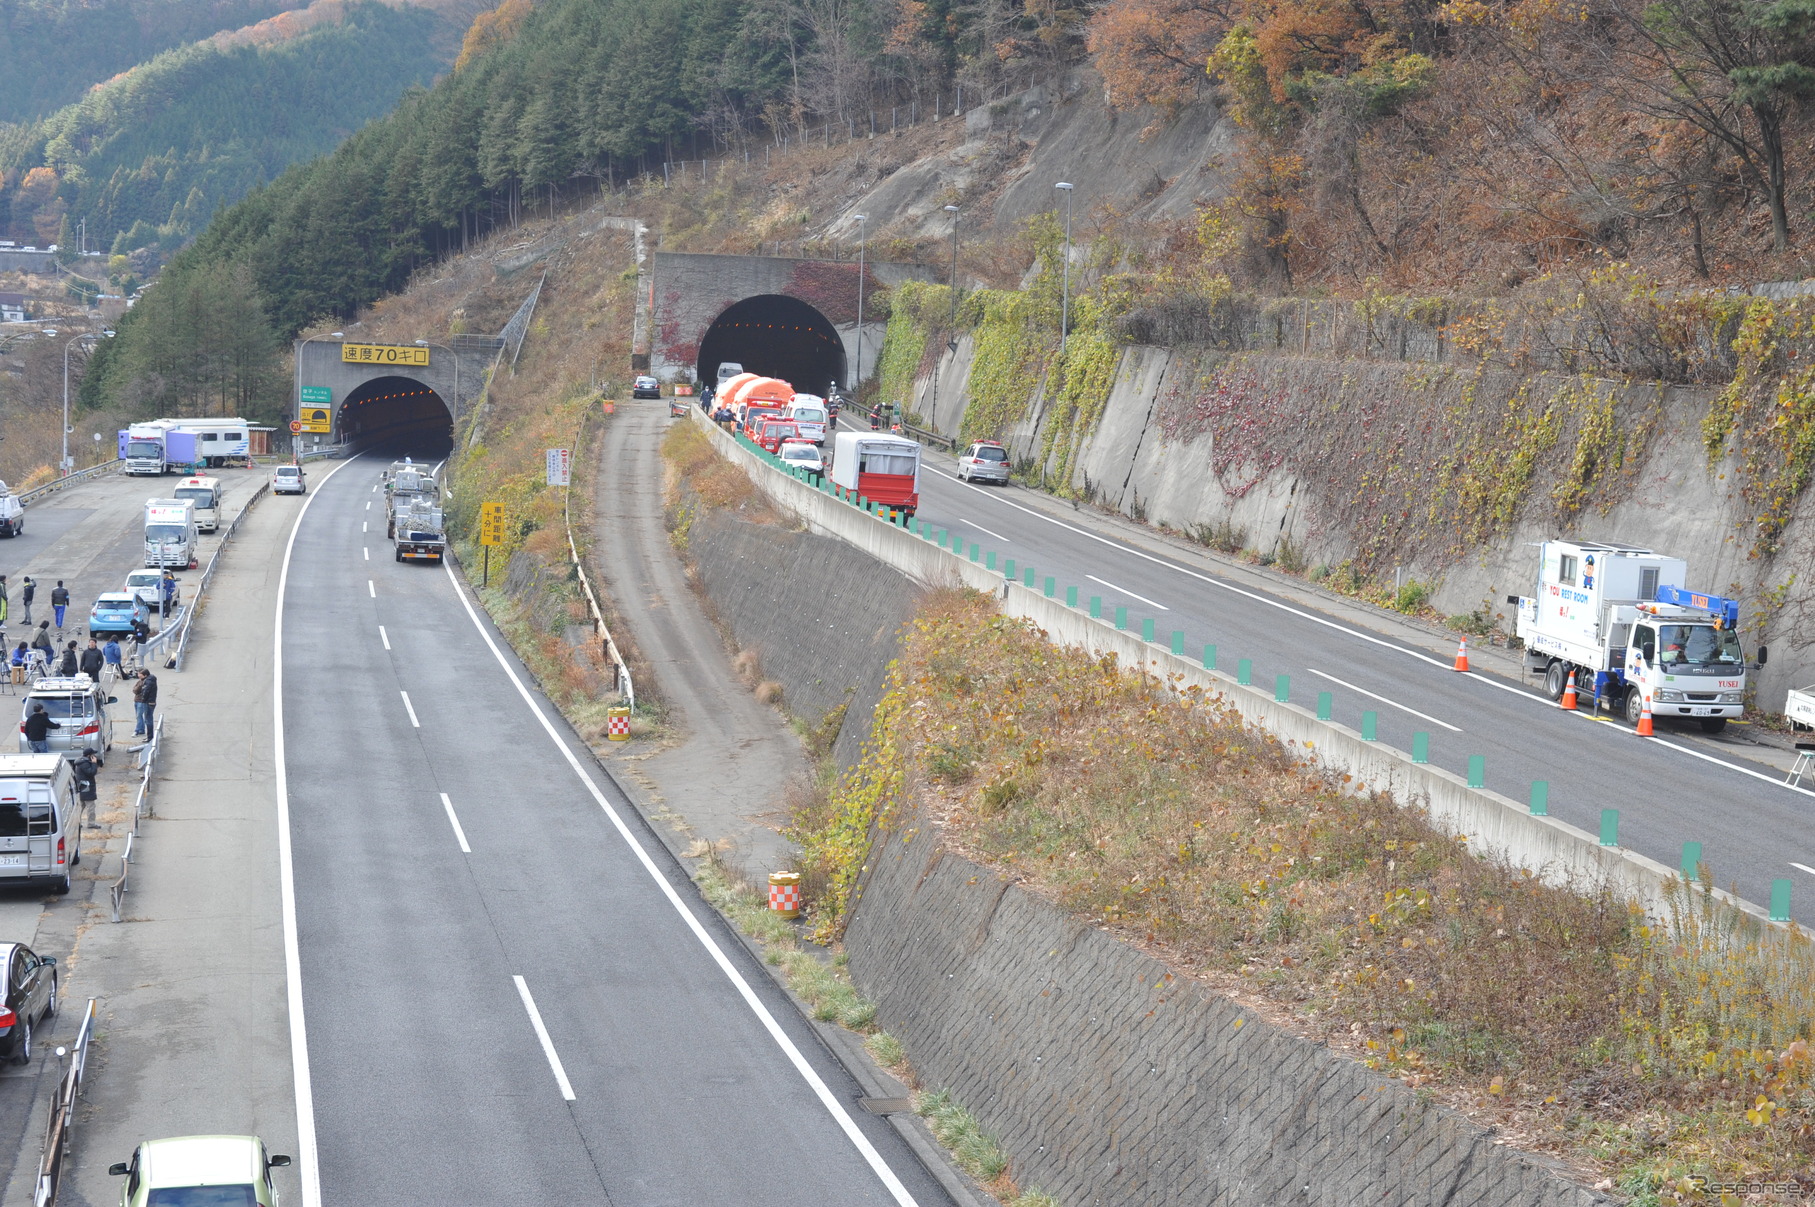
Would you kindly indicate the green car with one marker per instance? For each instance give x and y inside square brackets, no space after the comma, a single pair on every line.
[199,1171]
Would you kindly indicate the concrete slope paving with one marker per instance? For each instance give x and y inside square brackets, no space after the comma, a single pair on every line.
[1684,786]
[454,872]
[733,756]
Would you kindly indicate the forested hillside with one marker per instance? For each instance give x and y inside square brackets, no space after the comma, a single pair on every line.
[54,50]
[149,157]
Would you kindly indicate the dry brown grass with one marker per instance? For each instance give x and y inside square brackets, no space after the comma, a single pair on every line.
[711,480]
[1557,1014]
[768,692]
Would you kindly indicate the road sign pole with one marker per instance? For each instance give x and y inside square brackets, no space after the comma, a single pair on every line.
[485,575]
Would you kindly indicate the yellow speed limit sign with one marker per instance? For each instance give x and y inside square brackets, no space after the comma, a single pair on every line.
[491,523]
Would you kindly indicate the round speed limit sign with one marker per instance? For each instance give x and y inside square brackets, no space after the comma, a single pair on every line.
[295,426]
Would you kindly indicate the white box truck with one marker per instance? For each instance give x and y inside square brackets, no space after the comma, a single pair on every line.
[879,468]
[1618,620]
[170,536]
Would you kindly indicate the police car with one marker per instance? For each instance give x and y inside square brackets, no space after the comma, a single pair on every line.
[984,461]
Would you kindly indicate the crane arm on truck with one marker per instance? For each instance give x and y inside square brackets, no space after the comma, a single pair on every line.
[1724,611]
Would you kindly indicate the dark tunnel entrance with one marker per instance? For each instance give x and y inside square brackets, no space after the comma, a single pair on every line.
[397,412]
[776,336]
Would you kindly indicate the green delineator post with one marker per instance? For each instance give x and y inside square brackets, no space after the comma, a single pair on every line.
[1052,586]
[976,550]
[942,538]
[1147,629]
[1421,747]
[1326,706]
[1210,657]
[1370,726]
[1244,671]
[1096,607]
[989,560]
[1692,860]
[1282,688]
[1121,617]
[1610,827]
[1780,901]
[1178,641]
[1540,798]
[1477,771]
[1008,569]
[1071,597]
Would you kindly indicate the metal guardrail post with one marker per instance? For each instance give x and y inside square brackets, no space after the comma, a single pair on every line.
[625,683]
[57,1129]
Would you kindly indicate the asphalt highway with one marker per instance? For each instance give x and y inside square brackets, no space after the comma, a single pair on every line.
[511,993]
[1680,786]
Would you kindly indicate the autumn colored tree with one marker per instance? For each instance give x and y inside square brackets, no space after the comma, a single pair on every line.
[1152,52]
[493,28]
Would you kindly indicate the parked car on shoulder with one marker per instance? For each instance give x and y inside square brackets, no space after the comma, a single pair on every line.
[199,1171]
[12,512]
[117,613]
[984,461]
[646,387]
[288,480]
[31,997]
[78,706]
[805,455]
[148,586]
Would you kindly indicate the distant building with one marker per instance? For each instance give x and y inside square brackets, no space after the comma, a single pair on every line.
[12,308]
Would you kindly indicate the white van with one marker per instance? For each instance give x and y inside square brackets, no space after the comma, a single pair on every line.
[808,411]
[170,537]
[40,819]
[205,493]
[12,512]
[727,369]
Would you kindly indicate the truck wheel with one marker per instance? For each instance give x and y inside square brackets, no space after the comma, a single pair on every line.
[1713,724]
[1635,706]
[1555,677]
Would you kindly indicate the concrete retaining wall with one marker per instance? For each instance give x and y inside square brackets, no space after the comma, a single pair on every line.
[1494,825]
[1113,1083]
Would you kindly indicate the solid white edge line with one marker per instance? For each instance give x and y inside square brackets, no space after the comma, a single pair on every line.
[410,708]
[1125,591]
[459,833]
[986,531]
[384,637]
[307,1166]
[795,1057]
[548,1045]
[1709,758]
[1802,867]
[1370,695]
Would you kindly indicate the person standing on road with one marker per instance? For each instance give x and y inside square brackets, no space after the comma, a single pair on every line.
[87,768]
[2,599]
[69,663]
[25,597]
[145,703]
[59,602]
[93,660]
[37,729]
[110,654]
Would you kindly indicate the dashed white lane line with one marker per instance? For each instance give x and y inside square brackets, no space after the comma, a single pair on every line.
[384,637]
[369,503]
[410,708]
[1392,703]
[363,525]
[455,821]
[368,553]
[986,531]
[371,589]
[827,1099]
[1802,867]
[548,1045]
[1125,591]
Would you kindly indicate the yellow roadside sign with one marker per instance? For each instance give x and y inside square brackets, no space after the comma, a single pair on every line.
[384,354]
[491,523]
[313,419]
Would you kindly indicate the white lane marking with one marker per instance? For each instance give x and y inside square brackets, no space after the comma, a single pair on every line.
[371,590]
[1394,703]
[985,531]
[458,832]
[384,637]
[1802,867]
[307,1166]
[1125,591]
[369,502]
[808,1074]
[368,554]
[410,708]
[1708,758]
[363,525]
[548,1045]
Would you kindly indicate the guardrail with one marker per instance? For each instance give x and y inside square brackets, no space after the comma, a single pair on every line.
[142,806]
[81,475]
[616,657]
[59,1129]
[195,600]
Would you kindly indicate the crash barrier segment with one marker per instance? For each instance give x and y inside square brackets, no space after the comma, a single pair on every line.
[59,1129]
[1493,824]
[612,654]
[81,475]
[195,600]
[142,806]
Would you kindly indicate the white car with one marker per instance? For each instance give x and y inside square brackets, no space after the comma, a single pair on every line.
[288,480]
[147,585]
[803,454]
[984,461]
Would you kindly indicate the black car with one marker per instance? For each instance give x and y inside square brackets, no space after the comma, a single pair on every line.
[31,997]
[646,387]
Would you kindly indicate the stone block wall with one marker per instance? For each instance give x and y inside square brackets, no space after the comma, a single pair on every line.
[1110,1081]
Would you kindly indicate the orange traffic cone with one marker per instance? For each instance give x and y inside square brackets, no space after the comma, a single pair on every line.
[1644,729]
[1462,656]
[1569,694]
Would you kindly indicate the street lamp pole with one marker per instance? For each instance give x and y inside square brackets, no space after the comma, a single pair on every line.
[953,211]
[63,465]
[863,231]
[1065,304]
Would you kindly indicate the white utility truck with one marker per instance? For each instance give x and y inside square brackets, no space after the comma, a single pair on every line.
[1617,619]
[170,536]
